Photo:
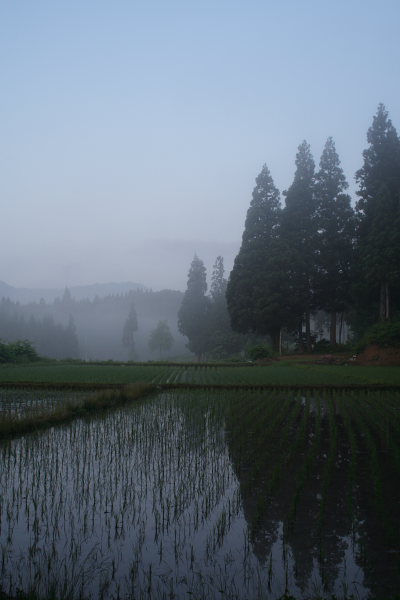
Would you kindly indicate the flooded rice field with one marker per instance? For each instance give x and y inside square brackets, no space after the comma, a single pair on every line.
[207,495]
[16,404]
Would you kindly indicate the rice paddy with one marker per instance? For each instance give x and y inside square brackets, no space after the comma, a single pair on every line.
[277,373]
[240,494]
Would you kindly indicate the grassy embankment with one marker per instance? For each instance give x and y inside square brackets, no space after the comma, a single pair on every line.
[69,409]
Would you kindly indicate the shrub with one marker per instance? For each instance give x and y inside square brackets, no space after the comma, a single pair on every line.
[19,351]
[259,351]
[384,334]
[325,347]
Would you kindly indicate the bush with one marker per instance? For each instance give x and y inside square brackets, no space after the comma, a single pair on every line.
[384,334]
[325,347]
[259,351]
[19,351]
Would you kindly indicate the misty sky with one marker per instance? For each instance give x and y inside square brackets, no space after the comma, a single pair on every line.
[131,132]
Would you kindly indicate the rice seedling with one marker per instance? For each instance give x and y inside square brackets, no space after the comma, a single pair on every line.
[203,494]
[277,373]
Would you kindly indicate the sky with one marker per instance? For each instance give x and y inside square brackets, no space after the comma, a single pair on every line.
[131,132]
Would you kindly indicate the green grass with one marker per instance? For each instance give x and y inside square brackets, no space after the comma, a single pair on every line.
[279,373]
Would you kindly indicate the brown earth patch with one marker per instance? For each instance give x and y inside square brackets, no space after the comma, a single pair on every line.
[375,355]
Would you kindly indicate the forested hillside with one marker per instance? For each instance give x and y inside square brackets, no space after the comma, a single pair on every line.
[93,329]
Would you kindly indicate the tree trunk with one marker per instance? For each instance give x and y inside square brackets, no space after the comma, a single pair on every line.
[276,339]
[384,301]
[333,328]
[301,344]
[341,328]
[308,331]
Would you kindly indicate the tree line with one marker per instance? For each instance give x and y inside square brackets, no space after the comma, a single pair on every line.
[140,324]
[315,253]
[49,338]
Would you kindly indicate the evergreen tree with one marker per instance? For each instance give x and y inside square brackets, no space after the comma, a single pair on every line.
[218,282]
[193,312]
[335,220]
[72,345]
[378,210]
[223,341]
[161,338]
[256,288]
[130,326]
[299,239]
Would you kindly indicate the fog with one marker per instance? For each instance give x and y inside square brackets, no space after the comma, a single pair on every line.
[131,133]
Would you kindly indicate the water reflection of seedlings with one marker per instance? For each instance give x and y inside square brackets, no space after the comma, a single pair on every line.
[201,494]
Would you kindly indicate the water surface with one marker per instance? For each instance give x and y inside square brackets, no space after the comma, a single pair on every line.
[205,495]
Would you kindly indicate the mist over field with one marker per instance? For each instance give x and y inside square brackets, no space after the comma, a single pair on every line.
[133,139]
[131,135]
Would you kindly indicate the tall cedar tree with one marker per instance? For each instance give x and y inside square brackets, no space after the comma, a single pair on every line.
[130,326]
[223,342]
[254,295]
[378,210]
[194,311]
[299,235]
[218,281]
[335,236]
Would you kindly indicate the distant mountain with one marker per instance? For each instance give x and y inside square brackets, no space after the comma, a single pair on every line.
[24,295]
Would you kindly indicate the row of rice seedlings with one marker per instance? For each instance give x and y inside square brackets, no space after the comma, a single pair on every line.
[154,484]
[81,496]
[383,421]
[294,457]
[331,466]
[329,463]
[289,448]
[337,463]
[267,462]
[267,419]
[284,444]
[372,471]
[310,442]
[292,446]
[248,411]
[154,471]
[377,464]
[351,487]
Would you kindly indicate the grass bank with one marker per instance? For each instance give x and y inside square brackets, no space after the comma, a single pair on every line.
[69,410]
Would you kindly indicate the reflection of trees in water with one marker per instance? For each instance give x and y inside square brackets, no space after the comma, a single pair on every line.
[149,491]
[325,467]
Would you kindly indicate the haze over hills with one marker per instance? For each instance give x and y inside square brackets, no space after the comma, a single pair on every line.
[88,321]
[90,291]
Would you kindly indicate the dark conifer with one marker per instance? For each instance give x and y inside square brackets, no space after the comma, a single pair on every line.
[336,227]
[299,235]
[193,312]
[378,210]
[255,292]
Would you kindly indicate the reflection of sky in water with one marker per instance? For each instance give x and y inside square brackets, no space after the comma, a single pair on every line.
[145,500]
